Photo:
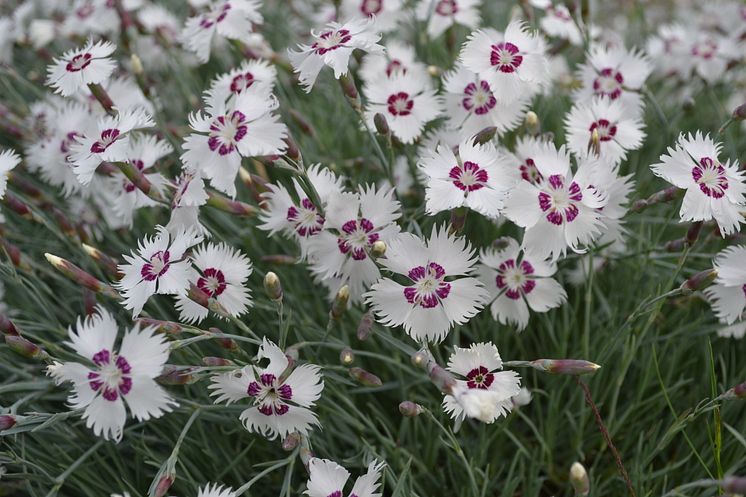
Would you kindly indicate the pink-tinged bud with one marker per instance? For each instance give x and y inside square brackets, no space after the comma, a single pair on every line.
[226,343]
[485,136]
[292,151]
[574,367]
[739,114]
[164,484]
[81,277]
[409,409]
[273,287]
[13,252]
[735,484]
[699,281]
[25,347]
[176,375]
[382,125]
[216,361]
[740,390]
[291,441]
[196,294]
[365,378]
[18,206]
[7,327]
[141,182]
[302,123]
[339,306]
[441,378]
[365,327]
[225,204]
[350,91]
[7,421]
[458,220]
[579,480]
[167,327]
[103,98]
[293,354]
[675,245]
[692,234]
[280,259]
[346,356]
[501,243]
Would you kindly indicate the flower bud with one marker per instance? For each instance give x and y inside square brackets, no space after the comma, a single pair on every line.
[365,326]
[346,357]
[292,151]
[735,484]
[579,479]
[409,409]
[231,206]
[216,361]
[7,327]
[532,120]
[77,275]
[176,375]
[292,353]
[279,259]
[164,484]
[273,287]
[739,114]
[434,71]
[420,358]
[136,63]
[226,343]
[365,378]
[167,327]
[740,390]
[109,264]
[572,367]
[382,126]
[25,347]
[486,135]
[7,421]
[699,281]
[339,306]
[291,441]
[378,249]
[350,91]
[305,126]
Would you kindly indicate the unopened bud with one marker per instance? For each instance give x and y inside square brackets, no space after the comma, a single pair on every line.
[167,327]
[273,287]
[434,71]
[410,409]
[77,275]
[176,375]
[216,361]
[688,104]
[302,123]
[226,343]
[108,263]
[365,326]
[739,114]
[164,484]
[378,249]
[365,378]
[699,281]
[486,135]
[346,357]
[279,259]
[458,220]
[292,353]
[7,421]
[292,148]
[740,390]
[735,484]
[532,120]
[291,441]
[231,206]
[7,327]
[382,126]
[25,347]
[594,145]
[692,234]
[579,480]
[501,243]
[136,63]
[419,358]
[572,367]
[339,306]
[350,91]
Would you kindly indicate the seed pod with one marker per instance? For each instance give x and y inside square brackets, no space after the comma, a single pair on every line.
[164,484]
[579,480]
[573,367]
[346,356]
[273,287]
[699,281]
[365,377]
[409,409]
[365,326]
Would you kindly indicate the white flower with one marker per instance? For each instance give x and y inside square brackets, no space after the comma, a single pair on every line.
[333,47]
[111,379]
[190,194]
[387,13]
[560,211]
[299,219]
[232,19]
[216,491]
[407,102]
[247,128]
[477,179]
[526,148]
[558,22]
[442,14]
[108,142]
[159,266]
[8,160]
[221,274]
[514,63]
[327,479]
[709,55]
[127,198]
[281,400]
[354,222]
[471,104]
[478,365]
[728,294]
[256,76]
[397,58]
[615,74]
[518,281]
[736,330]
[80,67]
[668,48]
[714,190]
[438,293]
[617,132]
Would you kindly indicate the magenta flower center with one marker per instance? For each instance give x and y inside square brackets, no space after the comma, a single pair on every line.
[226,131]
[357,235]
[157,266]
[429,286]
[479,96]
[241,82]
[66,142]
[215,16]
[371,7]
[479,377]
[78,63]
[304,218]
[710,175]
[400,104]
[108,136]
[560,12]
[331,40]
[505,57]
[112,376]
[558,201]
[446,7]
[469,177]
[395,66]
[706,49]
[270,395]
[515,279]
[530,173]
[608,83]
[606,130]
[212,282]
